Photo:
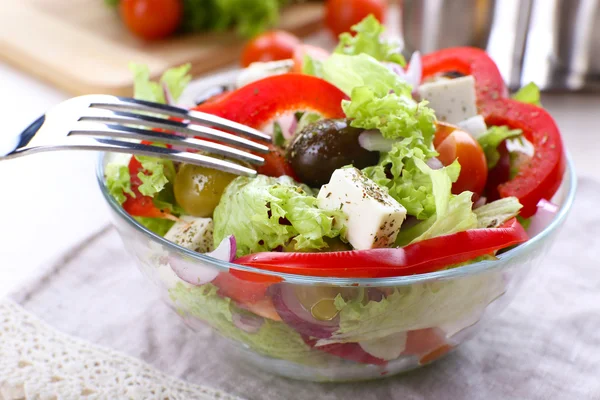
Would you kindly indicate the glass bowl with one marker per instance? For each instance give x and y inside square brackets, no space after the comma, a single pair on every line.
[337,329]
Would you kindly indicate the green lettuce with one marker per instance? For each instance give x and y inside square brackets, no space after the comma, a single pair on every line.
[312,66]
[118,181]
[490,141]
[394,115]
[175,79]
[158,172]
[494,214]
[410,184]
[443,303]
[350,72]
[160,226]
[368,40]
[250,17]
[529,93]
[273,339]
[264,213]
[457,216]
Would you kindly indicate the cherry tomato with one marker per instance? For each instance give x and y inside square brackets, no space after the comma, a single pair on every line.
[270,46]
[315,52]
[453,143]
[341,15]
[151,19]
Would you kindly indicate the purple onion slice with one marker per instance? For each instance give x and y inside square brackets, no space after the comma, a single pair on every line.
[196,273]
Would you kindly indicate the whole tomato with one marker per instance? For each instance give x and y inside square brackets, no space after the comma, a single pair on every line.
[151,19]
[341,15]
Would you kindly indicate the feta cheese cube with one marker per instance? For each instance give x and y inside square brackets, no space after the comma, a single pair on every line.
[373,216]
[192,233]
[453,100]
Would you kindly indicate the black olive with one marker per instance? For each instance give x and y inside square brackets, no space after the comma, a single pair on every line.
[324,146]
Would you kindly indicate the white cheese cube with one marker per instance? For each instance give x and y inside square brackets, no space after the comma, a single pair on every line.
[373,216]
[261,70]
[453,100]
[475,126]
[192,233]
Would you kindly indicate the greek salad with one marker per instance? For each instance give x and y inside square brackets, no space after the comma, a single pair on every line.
[378,168]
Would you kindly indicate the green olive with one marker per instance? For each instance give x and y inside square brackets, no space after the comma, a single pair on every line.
[199,189]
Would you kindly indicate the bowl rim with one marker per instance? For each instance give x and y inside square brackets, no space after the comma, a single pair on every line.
[569,179]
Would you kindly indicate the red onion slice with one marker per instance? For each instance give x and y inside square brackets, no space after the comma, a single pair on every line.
[295,315]
[196,273]
[168,96]
[247,323]
[413,74]
[546,211]
[434,163]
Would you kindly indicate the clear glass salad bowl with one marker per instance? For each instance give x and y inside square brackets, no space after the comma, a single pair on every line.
[337,329]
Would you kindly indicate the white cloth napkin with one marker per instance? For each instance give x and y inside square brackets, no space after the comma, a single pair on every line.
[544,346]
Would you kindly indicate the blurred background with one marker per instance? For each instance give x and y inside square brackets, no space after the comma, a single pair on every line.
[84,46]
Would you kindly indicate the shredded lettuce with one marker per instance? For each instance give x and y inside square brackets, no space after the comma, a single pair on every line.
[529,93]
[490,141]
[417,307]
[312,66]
[175,79]
[368,40]
[273,339]
[118,182]
[264,213]
[494,214]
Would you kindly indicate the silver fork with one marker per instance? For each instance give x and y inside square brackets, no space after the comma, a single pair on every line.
[117,124]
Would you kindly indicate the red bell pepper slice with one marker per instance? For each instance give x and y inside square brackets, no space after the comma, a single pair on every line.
[140,205]
[417,258]
[537,179]
[260,102]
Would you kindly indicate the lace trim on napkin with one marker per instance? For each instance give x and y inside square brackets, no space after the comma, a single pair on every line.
[38,362]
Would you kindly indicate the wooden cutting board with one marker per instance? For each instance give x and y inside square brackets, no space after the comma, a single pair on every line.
[82,47]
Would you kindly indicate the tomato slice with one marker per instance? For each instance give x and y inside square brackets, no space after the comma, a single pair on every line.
[417,258]
[269,46]
[452,143]
[541,176]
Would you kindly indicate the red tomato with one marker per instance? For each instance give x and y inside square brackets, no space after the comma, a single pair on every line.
[270,46]
[140,205]
[453,143]
[341,15]
[151,19]
[315,52]
[429,344]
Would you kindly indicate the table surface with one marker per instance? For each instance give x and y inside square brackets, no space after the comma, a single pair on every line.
[51,201]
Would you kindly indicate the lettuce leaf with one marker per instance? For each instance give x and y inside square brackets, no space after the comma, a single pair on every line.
[368,40]
[529,93]
[273,339]
[457,216]
[349,72]
[264,213]
[398,172]
[417,307]
[312,66]
[490,141]
[118,181]
[158,173]
[175,79]
[494,214]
